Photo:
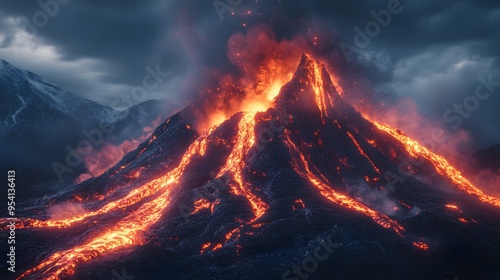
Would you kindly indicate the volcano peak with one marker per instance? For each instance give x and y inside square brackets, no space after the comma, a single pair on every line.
[311,89]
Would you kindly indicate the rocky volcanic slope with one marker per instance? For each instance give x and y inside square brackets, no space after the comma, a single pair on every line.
[254,196]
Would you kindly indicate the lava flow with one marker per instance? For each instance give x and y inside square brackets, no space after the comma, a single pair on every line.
[363,152]
[442,166]
[301,166]
[127,232]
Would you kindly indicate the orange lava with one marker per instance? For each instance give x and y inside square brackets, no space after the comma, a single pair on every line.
[441,165]
[421,245]
[454,207]
[362,152]
[201,204]
[135,195]
[297,203]
[319,89]
[234,166]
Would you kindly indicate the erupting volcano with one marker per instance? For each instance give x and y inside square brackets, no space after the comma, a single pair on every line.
[250,196]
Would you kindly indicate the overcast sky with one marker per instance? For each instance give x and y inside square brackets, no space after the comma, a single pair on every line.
[432,51]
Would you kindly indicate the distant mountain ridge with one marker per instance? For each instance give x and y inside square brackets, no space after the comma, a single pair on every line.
[38,120]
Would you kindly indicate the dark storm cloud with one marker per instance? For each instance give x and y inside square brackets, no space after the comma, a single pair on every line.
[433,51]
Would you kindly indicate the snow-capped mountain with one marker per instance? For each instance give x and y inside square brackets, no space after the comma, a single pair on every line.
[30,101]
[39,120]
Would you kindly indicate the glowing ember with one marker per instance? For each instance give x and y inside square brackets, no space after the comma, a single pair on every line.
[421,245]
[441,164]
[201,204]
[454,207]
[204,247]
[298,204]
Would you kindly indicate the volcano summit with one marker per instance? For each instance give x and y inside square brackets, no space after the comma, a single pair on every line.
[305,189]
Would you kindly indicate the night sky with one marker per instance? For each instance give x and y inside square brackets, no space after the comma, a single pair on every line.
[430,51]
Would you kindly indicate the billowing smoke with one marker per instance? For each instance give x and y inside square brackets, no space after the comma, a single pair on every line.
[65,210]
[373,198]
[262,65]
[109,155]
[454,145]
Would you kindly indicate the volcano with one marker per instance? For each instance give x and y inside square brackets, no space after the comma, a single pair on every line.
[306,189]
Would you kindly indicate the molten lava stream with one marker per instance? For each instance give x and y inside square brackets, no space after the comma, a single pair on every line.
[441,164]
[319,89]
[134,196]
[331,194]
[234,165]
[363,152]
[127,232]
